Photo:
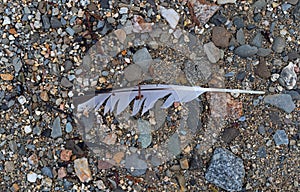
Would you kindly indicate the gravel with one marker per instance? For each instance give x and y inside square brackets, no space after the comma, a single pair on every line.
[54,54]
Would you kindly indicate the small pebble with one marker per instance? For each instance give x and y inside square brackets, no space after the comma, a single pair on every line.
[281,138]
[31,177]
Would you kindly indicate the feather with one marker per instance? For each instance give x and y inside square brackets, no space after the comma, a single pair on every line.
[145,96]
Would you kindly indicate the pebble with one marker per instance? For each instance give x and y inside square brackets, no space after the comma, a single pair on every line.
[293,55]
[104,165]
[17,63]
[61,173]
[123,10]
[220,37]
[47,172]
[143,59]
[121,35]
[289,76]
[56,128]
[262,69]
[260,4]
[133,73]
[238,22]
[261,130]
[170,15]
[144,130]
[282,101]
[135,165]
[9,166]
[27,129]
[222,2]
[262,52]
[69,127]
[229,134]
[240,37]
[44,96]
[65,155]
[257,40]
[262,152]
[22,99]
[82,169]
[6,21]
[245,51]
[70,31]
[226,170]
[280,138]
[6,77]
[31,177]
[184,163]
[55,23]
[66,83]
[213,53]
[294,94]
[46,22]
[278,44]
[174,144]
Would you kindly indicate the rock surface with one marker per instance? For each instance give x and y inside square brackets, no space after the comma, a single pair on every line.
[226,170]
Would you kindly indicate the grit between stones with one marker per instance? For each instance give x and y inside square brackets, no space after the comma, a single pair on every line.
[242,44]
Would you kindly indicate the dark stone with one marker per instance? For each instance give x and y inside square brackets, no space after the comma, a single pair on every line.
[262,152]
[238,22]
[104,4]
[218,19]
[46,132]
[262,69]
[293,55]
[47,172]
[257,17]
[70,144]
[241,75]
[230,134]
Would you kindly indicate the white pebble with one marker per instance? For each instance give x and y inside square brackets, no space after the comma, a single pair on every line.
[31,177]
[6,20]
[27,129]
[22,99]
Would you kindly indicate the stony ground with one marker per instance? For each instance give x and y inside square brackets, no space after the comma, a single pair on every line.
[53,53]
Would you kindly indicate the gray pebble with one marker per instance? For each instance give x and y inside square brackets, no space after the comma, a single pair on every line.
[285,6]
[56,128]
[174,144]
[245,51]
[294,94]
[226,170]
[238,22]
[278,44]
[66,83]
[240,37]
[142,58]
[262,52]
[257,40]
[281,138]
[262,152]
[47,172]
[213,53]
[260,4]
[55,23]
[133,73]
[46,22]
[261,130]
[282,101]
[70,31]
[135,165]
[17,63]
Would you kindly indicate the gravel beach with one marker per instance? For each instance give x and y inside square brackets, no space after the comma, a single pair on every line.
[91,95]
